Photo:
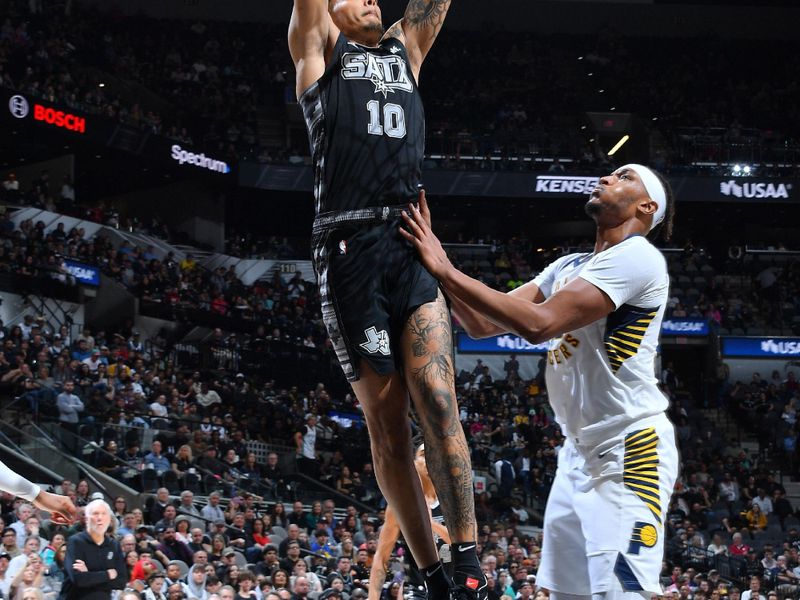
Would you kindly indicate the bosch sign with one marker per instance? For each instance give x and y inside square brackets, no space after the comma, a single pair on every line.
[59,118]
[20,108]
[199,160]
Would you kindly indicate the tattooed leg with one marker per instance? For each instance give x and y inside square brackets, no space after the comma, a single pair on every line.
[430,375]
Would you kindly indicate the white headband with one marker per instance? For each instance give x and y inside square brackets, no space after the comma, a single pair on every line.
[655,189]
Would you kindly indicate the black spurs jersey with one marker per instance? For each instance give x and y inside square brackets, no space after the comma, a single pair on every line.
[366,128]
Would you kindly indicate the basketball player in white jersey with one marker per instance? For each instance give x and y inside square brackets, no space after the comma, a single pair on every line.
[61,508]
[601,313]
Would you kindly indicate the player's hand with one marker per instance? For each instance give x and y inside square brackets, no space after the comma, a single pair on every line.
[423,208]
[62,510]
[80,566]
[419,234]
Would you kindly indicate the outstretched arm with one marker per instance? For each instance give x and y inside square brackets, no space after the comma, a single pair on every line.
[418,29]
[389,534]
[476,324]
[575,305]
[61,508]
[312,35]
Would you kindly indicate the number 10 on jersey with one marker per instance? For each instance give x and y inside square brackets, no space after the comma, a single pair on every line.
[390,120]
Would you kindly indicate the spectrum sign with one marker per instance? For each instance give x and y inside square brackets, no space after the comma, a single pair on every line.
[182,156]
[20,108]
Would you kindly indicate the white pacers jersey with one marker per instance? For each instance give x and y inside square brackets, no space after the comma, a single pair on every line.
[602,377]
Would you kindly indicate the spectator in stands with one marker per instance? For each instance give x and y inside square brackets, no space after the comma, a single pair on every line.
[210,463]
[305,440]
[207,397]
[70,407]
[167,518]
[301,588]
[30,547]
[299,516]
[763,502]
[756,520]
[159,505]
[188,508]
[292,555]
[169,548]
[738,547]
[155,585]
[753,593]
[22,512]
[156,460]
[212,512]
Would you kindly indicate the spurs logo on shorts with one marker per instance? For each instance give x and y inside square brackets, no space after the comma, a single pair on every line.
[640,473]
[644,535]
[377,341]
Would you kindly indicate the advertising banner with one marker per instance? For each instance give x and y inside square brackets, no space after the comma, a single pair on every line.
[508,184]
[759,347]
[687,327]
[85,274]
[499,344]
[21,109]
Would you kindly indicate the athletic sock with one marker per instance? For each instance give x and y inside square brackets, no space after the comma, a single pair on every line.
[466,566]
[437,580]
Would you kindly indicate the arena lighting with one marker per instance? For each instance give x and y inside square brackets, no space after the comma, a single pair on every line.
[619,145]
[742,170]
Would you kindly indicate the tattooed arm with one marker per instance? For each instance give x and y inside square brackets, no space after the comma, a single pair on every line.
[418,28]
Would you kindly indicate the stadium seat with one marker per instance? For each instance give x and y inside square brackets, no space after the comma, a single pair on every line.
[171,482]
[183,567]
[150,482]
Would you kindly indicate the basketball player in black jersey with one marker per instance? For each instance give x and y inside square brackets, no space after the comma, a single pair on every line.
[385,315]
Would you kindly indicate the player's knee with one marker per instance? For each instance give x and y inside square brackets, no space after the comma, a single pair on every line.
[391,442]
[440,405]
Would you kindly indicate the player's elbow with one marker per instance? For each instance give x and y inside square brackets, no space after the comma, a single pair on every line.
[534,334]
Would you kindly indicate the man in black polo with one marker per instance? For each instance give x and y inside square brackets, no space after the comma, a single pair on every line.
[292,556]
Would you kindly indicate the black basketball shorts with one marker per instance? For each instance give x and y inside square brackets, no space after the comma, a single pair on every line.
[370,281]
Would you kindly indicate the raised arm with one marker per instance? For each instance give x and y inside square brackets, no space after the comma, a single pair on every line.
[418,29]
[312,35]
[390,532]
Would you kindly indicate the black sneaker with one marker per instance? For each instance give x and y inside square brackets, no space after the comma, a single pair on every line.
[471,588]
[415,592]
